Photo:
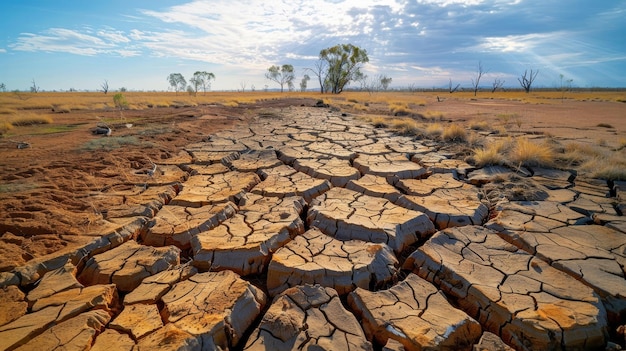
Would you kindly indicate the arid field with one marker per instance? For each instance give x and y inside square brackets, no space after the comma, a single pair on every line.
[81,177]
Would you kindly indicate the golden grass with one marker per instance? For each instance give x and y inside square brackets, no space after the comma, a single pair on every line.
[533,154]
[434,130]
[493,154]
[433,115]
[406,126]
[454,133]
[29,119]
[231,103]
[399,109]
[479,125]
[5,127]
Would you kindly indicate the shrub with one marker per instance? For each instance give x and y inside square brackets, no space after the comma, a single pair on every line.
[406,126]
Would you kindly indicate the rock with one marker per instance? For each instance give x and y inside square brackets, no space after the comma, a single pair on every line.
[52,282]
[374,186]
[339,172]
[529,304]
[217,307]
[308,318]
[12,304]
[77,333]
[390,166]
[127,265]
[201,190]
[448,207]
[284,181]
[176,225]
[138,320]
[155,286]
[316,258]
[56,309]
[254,160]
[415,314]
[244,243]
[172,338]
[347,215]
[112,340]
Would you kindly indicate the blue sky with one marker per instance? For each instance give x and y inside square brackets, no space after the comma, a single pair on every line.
[425,43]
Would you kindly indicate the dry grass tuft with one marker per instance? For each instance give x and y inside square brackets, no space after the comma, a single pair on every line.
[454,133]
[29,119]
[406,126]
[479,125]
[433,115]
[492,154]
[528,153]
[231,103]
[434,130]
[400,109]
[5,127]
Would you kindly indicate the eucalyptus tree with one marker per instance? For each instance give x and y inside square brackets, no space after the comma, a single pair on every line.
[177,81]
[202,79]
[344,63]
[282,75]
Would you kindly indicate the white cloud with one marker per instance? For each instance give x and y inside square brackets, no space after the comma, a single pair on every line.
[2,51]
[519,43]
[74,42]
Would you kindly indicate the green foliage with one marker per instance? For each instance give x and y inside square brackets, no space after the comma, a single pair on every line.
[282,75]
[344,62]
[177,81]
[201,79]
[120,101]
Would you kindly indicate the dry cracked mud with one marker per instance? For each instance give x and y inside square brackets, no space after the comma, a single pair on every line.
[363,238]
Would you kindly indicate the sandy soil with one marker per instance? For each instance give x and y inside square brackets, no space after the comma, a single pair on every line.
[43,207]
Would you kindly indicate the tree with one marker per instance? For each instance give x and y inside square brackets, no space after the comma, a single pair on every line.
[3,87]
[105,86]
[526,81]
[320,71]
[304,82]
[476,79]
[177,81]
[384,81]
[452,90]
[202,79]
[565,87]
[120,102]
[281,75]
[344,62]
[243,85]
[497,84]
[34,88]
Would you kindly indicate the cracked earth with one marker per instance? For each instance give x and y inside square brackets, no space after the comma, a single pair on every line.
[307,228]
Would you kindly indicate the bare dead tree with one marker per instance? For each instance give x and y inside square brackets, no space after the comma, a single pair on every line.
[243,84]
[34,88]
[105,86]
[476,79]
[526,81]
[320,71]
[452,90]
[497,84]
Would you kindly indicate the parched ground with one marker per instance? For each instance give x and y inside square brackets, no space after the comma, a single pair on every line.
[114,237]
